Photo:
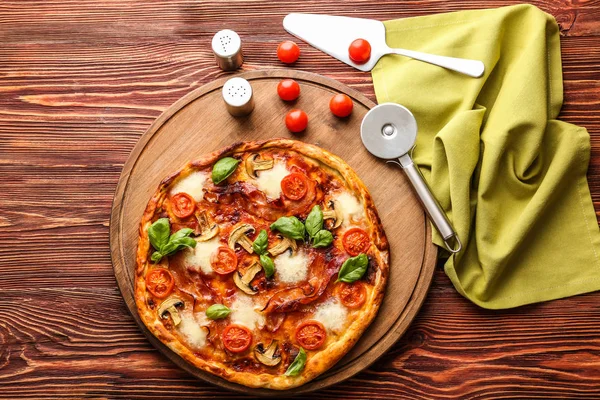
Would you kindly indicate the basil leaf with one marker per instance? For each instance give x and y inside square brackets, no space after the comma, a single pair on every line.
[184,242]
[267,265]
[261,243]
[223,168]
[323,238]
[178,244]
[297,365]
[158,233]
[353,268]
[314,221]
[168,249]
[290,227]
[217,311]
[156,256]
[181,234]
[165,245]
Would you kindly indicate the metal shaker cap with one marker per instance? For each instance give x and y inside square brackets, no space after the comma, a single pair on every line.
[227,47]
[238,97]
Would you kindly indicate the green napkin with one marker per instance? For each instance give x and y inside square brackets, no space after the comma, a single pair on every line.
[511,177]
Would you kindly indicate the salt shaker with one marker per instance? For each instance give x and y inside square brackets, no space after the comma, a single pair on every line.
[237,94]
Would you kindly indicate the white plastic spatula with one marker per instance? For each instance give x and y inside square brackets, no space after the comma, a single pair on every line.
[333,35]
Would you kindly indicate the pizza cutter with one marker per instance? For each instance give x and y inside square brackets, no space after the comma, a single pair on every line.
[389,131]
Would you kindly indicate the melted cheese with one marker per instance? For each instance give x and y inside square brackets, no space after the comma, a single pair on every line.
[192,185]
[198,258]
[191,329]
[243,312]
[290,268]
[332,315]
[269,181]
[351,208]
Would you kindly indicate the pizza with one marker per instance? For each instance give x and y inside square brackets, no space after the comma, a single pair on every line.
[261,263]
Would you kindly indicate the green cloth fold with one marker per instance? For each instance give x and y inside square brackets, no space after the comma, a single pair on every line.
[511,177]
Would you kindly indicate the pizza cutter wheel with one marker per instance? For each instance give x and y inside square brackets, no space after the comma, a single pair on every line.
[389,131]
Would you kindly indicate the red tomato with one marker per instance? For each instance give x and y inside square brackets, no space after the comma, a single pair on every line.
[223,261]
[296,120]
[288,52]
[356,241]
[183,205]
[311,334]
[288,89]
[359,51]
[341,105]
[294,186]
[159,282]
[236,338]
[352,295]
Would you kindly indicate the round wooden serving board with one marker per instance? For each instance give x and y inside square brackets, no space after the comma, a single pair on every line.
[199,123]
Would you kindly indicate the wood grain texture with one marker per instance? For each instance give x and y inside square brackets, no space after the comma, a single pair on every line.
[80,81]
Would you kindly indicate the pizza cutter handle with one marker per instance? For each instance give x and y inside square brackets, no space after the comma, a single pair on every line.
[432,207]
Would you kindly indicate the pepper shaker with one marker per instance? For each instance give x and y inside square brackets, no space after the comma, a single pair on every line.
[227,47]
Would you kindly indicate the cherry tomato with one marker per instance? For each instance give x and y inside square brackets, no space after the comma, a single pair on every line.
[223,261]
[360,51]
[288,52]
[288,89]
[236,338]
[341,105]
[294,186]
[311,334]
[296,120]
[183,205]
[356,241]
[159,282]
[352,295]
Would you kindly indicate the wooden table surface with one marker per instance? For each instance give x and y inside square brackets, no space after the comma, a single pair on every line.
[81,80]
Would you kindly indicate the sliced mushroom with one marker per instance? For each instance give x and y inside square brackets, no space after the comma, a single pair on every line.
[267,356]
[170,306]
[253,164]
[243,281]
[283,245]
[208,228]
[334,212]
[238,236]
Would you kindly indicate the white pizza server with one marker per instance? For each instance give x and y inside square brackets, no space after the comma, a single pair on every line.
[334,34]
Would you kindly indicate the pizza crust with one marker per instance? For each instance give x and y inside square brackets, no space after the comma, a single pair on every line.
[317,363]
